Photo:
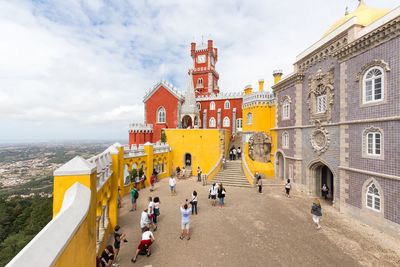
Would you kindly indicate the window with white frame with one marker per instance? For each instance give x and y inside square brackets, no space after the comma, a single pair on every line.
[212,105]
[239,123]
[227,104]
[212,122]
[321,104]
[285,140]
[286,109]
[226,122]
[161,115]
[373,196]
[199,83]
[373,82]
[249,118]
[374,141]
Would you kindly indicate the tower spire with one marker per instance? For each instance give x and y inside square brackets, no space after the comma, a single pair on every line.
[361,2]
[347,11]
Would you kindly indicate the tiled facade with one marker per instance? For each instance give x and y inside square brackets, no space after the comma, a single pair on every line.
[335,138]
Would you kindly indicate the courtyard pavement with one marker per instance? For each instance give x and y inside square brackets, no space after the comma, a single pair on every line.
[253,229]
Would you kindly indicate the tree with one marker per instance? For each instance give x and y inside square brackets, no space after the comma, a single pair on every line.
[163,137]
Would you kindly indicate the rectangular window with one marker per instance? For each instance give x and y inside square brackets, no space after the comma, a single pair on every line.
[369,201]
[378,89]
[374,144]
[321,104]
[368,91]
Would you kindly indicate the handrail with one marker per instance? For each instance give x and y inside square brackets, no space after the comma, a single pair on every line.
[48,245]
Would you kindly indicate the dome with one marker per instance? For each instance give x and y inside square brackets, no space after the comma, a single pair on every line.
[364,15]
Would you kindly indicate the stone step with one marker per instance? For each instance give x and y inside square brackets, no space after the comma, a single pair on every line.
[237,185]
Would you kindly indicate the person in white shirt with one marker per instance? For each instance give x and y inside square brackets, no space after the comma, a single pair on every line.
[145,221]
[193,202]
[172,185]
[150,208]
[234,151]
[147,240]
[212,194]
[185,212]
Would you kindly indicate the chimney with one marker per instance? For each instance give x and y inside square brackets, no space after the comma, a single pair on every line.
[277,76]
[248,89]
[210,45]
[261,85]
[192,49]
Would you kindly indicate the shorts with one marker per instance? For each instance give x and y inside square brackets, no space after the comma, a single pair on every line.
[287,190]
[133,200]
[316,218]
[117,245]
[213,197]
[172,187]
[144,243]
[185,226]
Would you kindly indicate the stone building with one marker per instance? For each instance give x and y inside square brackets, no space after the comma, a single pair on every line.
[338,117]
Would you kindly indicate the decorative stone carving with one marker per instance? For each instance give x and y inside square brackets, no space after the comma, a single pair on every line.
[320,139]
[260,147]
[320,84]
[384,65]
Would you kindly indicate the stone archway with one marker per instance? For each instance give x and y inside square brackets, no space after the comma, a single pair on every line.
[187,122]
[280,166]
[320,174]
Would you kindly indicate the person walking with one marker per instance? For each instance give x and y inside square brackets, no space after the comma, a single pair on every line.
[221,195]
[134,197]
[185,222]
[117,240]
[316,212]
[239,153]
[223,162]
[234,151]
[143,180]
[231,154]
[259,182]
[152,181]
[156,209]
[145,243]
[288,186]
[119,201]
[199,172]
[325,191]
[193,202]
[212,194]
[137,182]
[172,185]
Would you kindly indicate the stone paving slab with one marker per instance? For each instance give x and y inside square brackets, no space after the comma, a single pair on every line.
[252,230]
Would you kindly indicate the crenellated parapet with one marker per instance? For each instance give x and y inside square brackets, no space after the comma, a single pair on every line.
[140,128]
[220,96]
[258,98]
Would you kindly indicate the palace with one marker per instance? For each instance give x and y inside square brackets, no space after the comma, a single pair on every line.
[334,121]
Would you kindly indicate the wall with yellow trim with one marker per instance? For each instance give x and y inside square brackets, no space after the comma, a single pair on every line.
[204,145]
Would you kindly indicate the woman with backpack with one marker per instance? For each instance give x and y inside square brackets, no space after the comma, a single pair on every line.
[193,202]
[221,195]
[288,186]
[316,212]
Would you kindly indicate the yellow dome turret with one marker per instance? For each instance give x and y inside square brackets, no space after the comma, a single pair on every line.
[364,15]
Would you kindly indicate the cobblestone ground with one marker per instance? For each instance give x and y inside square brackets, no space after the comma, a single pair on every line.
[252,230]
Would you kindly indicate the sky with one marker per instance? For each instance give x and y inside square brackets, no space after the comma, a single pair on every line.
[78,70]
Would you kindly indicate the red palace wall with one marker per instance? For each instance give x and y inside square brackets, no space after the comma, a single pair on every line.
[138,138]
[161,98]
[219,104]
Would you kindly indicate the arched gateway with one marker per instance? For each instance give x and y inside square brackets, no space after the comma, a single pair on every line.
[321,174]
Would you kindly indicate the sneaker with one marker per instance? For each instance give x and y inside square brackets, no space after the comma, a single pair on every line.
[125,241]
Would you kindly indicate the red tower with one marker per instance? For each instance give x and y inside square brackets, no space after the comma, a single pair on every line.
[205,77]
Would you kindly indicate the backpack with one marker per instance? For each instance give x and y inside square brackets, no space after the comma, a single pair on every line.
[136,194]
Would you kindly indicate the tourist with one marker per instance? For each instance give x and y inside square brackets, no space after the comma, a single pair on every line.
[152,181]
[239,153]
[107,257]
[199,171]
[221,195]
[172,185]
[155,173]
[212,194]
[259,182]
[156,209]
[234,151]
[145,243]
[185,212]
[183,173]
[223,162]
[119,202]
[325,191]
[193,202]
[145,221]
[143,180]
[178,171]
[288,186]
[137,182]
[134,197]
[316,212]
[230,154]
[117,240]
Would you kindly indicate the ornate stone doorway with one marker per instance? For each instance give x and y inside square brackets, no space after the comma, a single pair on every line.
[321,174]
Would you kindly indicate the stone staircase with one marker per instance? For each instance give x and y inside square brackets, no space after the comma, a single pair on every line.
[232,175]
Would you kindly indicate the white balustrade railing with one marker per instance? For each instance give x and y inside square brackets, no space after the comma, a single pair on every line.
[258,97]
[103,162]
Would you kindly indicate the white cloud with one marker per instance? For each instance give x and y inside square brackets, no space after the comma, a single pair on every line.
[81,68]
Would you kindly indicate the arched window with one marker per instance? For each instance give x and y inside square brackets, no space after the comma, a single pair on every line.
[249,118]
[212,122]
[226,122]
[199,83]
[286,109]
[373,84]
[373,200]
[161,115]
[198,105]
[212,105]
[285,140]
[227,104]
